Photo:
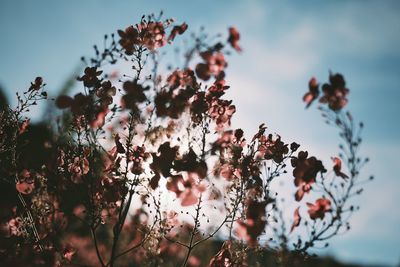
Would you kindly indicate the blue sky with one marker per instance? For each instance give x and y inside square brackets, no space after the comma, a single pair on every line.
[284,43]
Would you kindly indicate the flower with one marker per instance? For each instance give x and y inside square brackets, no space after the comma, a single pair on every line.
[98,117]
[296,219]
[224,257]
[177,30]
[221,112]
[335,92]
[78,168]
[198,107]
[15,226]
[188,190]
[163,160]
[68,253]
[138,156]
[26,183]
[129,38]
[134,94]
[182,79]
[305,172]
[23,126]
[272,149]
[313,92]
[191,164]
[337,168]
[318,210]
[255,221]
[233,39]
[172,103]
[152,34]
[37,84]
[106,93]
[214,65]
[25,187]
[216,90]
[90,77]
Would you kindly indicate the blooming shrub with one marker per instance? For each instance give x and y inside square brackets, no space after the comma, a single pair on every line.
[144,170]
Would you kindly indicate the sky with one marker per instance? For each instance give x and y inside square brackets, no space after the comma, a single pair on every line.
[284,44]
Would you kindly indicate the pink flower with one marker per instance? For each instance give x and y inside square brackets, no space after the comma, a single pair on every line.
[318,210]
[214,65]
[129,38]
[305,172]
[296,219]
[255,221]
[25,187]
[335,92]
[26,184]
[182,78]
[37,84]
[15,226]
[337,167]
[272,149]
[221,112]
[177,30]
[152,35]
[223,258]
[313,92]
[233,39]
[78,168]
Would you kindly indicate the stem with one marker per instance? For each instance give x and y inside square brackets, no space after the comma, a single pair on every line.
[123,211]
[92,230]
[193,233]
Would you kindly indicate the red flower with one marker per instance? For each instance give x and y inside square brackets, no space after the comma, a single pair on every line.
[313,92]
[335,92]
[318,210]
[233,39]
[227,171]
[305,172]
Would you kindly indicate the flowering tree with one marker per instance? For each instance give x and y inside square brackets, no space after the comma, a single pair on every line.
[142,168]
